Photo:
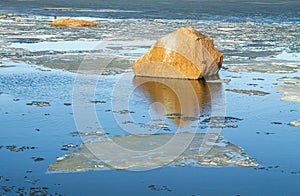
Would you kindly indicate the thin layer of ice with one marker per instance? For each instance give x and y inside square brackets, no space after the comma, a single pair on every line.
[143,153]
[64,46]
[290,92]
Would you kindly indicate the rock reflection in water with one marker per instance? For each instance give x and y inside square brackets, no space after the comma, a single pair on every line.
[183,100]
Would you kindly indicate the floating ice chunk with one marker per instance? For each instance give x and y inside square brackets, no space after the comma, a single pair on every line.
[290,92]
[287,80]
[266,67]
[288,56]
[295,123]
[100,154]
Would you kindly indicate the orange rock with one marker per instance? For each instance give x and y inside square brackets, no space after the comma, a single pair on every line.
[73,23]
[185,53]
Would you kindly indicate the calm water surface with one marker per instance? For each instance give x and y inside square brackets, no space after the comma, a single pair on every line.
[248,33]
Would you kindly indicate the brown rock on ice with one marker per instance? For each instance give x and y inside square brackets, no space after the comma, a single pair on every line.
[73,23]
[185,53]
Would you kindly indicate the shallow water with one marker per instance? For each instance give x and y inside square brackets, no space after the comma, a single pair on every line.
[61,87]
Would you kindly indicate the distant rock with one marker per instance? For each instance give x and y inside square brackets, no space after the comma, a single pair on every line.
[73,23]
[17,19]
[10,15]
[185,53]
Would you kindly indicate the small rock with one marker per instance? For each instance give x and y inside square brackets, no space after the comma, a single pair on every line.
[269,133]
[10,15]
[276,123]
[37,159]
[3,16]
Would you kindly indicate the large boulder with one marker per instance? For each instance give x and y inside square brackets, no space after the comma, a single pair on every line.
[73,23]
[185,53]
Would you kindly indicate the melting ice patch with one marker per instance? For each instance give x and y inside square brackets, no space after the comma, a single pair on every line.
[291,92]
[64,46]
[288,56]
[99,153]
[281,63]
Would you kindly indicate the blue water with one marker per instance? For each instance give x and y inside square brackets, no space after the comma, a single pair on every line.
[269,26]
[167,9]
[56,124]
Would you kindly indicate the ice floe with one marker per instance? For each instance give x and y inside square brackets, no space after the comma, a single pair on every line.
[144,152]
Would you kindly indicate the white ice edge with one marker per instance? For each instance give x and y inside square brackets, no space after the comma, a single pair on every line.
[288,56]
[63,46]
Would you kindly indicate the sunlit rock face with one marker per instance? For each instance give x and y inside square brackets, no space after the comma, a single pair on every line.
[101,153]
[185,53]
